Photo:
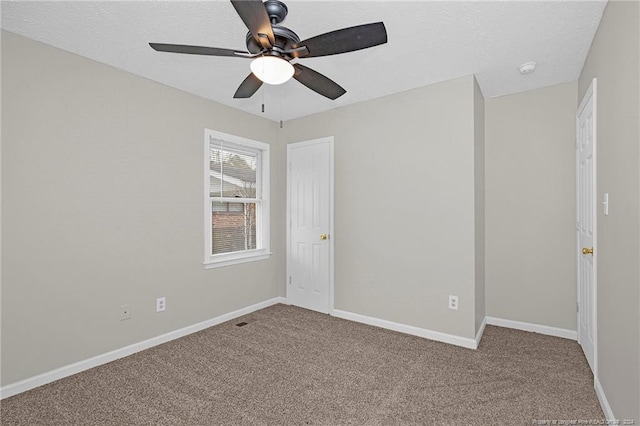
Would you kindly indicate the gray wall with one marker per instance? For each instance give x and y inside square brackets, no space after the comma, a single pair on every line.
[0,218]
[614,59]
[479,202]
[404,202]
[530,206]
[102,192]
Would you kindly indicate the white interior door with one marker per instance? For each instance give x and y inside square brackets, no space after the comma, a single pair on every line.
[586,223]
[310,220]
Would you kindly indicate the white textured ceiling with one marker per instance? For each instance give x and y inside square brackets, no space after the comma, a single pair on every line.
[429,41]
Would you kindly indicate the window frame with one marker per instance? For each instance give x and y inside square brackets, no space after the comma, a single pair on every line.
[262,250]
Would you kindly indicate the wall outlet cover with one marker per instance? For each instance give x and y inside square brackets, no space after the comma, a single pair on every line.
[161,304]
[453,302]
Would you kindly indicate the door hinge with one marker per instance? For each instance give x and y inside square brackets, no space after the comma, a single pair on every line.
[289,279]
[577,307]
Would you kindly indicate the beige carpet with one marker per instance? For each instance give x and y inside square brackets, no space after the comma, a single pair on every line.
[290,366]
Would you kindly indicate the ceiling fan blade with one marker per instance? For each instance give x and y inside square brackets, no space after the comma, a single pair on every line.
[254,15]
[196,50]
[318,82]
[344,40]
[248,87]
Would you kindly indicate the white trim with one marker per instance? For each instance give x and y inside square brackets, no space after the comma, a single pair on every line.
[536,328]
[262,201]
[69,370]
[237,258]
[452,339]
[591,94]
[332,239]
[480,331]
[606,408]
[329,140]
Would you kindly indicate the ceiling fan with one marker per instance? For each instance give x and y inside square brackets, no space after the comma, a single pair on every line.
[272,48]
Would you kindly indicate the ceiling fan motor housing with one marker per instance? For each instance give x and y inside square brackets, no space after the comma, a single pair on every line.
[285,39]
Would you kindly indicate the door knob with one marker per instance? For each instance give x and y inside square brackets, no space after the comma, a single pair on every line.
[324,237]
[586,250]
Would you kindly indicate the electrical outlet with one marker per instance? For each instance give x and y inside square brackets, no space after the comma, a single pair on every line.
[125,312]
[453,302]
[161,304]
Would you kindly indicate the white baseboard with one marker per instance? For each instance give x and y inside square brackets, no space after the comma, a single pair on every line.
[480,332]
[606,408]
[537,328]
[452,339]
[69,370]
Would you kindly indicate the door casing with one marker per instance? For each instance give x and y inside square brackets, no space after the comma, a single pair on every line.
[589,97]
[331,241]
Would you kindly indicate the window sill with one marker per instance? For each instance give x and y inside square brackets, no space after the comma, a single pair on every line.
[235,259]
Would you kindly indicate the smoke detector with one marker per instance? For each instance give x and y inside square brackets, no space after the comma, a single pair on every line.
[527,68]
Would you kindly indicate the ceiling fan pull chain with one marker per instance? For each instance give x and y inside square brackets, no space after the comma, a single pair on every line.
[280,105]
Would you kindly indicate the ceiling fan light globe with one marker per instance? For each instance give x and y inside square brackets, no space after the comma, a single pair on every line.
[272,70]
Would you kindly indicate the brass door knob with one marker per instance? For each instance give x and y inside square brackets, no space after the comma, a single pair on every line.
[324,237]
[586,250]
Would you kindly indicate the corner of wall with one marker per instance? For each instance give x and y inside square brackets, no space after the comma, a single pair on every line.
[479,203]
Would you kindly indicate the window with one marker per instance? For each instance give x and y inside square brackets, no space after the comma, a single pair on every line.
[236,199]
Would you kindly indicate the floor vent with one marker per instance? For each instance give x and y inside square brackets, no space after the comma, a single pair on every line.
[242,324]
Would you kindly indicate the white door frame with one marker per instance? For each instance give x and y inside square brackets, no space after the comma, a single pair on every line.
[325,140]
[589,96]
